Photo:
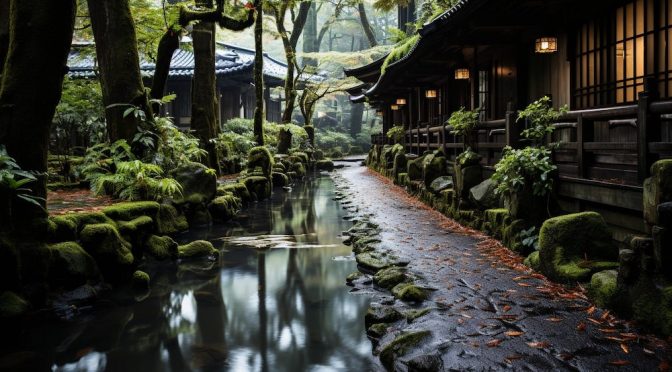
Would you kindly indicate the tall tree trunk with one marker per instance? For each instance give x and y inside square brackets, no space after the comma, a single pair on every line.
[4,32]
[368,30]
[356,115]
[119,64]
[169,43]
[259,77]
[32,79]
[204,90]
[310,35]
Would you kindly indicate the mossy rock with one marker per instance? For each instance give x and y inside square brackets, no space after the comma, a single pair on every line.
[402,179]
[382,314]
[140,281]
[131,210]
[414,314]
[409,292]
[532,261]
[353,276]
[651,306]
[400,346]
[373,261]
[279,167]
[259,187]
[603,287]
[260,157]
[136,230]
[414,169]
[302,157]
[111,252]
[280,179]
[496,221]
[440,184]
[365,244]
[434,166]
[161,248]
[511,236]
[12,305]
[238,189]
[484,195]
[399,165]
[389,154]
[61,229]
[88,218]
[197,249]
[565,241]
[657,190]
[71,266]
[377,330]
[170,221]
[465,178]
[324,165]
[224,208]
[390,277]
[298,168]
[196,178]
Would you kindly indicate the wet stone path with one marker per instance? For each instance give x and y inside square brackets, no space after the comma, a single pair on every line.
[486,309]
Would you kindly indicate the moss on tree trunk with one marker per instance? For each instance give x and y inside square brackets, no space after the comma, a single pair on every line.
[39,41]
[119,64]
[169,43]
[259,79]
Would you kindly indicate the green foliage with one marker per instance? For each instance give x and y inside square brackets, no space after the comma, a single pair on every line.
[135,180]
[468,157]
[540,116]
[400,51]
[396,133]
[80,111]
[463,121]
[530,238]
[174,146]
[13,179]
[529,166]
[100,159]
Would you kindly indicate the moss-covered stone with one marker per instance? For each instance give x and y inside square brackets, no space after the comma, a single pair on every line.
[260,157]
[353,276]
[298,168]
[131,210]
[400,346]
[325,165]
[224,208]
[400,165]
[373,261]
[603,287]
[377,330]
[414,314]
[61,229]
[140,281]
[280,179]
[302,156]
[434,166]
[414,169]
[136,230]
[111,252]
[170,221]
[532,261]
[12,306]
[657,189]
[409,292]
[197,249]
[390,277]
[465,178]
[567,240]
[382,314]
[196,178]
[238,189]
[161,247]
[88,218]
[483,195]
[279,167]
[259,187]
[440,184]
[71,266]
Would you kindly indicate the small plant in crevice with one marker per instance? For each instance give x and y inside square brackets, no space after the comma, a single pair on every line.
[468,157]
[530,238]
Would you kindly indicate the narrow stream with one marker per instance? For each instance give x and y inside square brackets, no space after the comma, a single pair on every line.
[277,302]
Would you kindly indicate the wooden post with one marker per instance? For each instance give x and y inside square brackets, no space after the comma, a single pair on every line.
[512,132]
[646,127]
[580,150]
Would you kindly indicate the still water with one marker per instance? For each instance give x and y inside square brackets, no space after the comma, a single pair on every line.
[276,302]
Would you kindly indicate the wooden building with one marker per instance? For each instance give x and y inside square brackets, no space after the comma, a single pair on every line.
[235,78]
[609,61]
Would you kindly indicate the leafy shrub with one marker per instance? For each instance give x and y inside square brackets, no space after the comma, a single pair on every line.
[135,180]
[174,146]
[528,166]
[12,182]
[463,123]
[396,133]
[540,116]
[468,157]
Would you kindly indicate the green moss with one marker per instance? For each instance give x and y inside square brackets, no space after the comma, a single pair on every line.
[434,167]
[299,169]
[280,179]
[400,51]
[111,252]
[161,247]
[238,189]
[372,261]
[302,156]
[259,187]
[196,178]
[325,165]
[567,240]
[170,221]
[89,218]
[409,292]
[652,307]
[532,260]
[603,287]
[134,230]
[657,189]
[353,276]
[260,157]
[279,167]
[377,330]
[400,346]
[388,278]
[71,265]
[412,315]
[61,229]
[226,207]
[399,165]
[414,169]
[140,281]
[382,315]
[131,210]
[197,249]
[12,306]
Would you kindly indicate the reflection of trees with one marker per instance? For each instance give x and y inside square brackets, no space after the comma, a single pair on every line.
[211,352]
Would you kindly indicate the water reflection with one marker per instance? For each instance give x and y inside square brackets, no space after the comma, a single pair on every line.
[277,303]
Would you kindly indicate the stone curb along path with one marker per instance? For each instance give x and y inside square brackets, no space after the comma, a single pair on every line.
[448,298]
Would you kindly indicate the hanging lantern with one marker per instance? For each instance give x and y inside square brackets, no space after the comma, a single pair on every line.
[401,101]
[462,74]
[545,45]
[395,107]
[431,93]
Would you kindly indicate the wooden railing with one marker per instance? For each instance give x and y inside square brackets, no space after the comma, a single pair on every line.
[603,155]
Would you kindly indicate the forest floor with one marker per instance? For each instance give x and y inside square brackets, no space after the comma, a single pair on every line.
[488,309]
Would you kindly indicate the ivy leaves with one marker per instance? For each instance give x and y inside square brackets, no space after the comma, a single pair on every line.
[540,116]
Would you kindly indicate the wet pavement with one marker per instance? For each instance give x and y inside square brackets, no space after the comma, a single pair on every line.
[488,311]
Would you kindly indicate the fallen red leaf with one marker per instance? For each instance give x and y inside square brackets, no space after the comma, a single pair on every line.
[625,348]
[538,345]
[494,343]
[619,363]
[555,319]
[514,333]
[581,327]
